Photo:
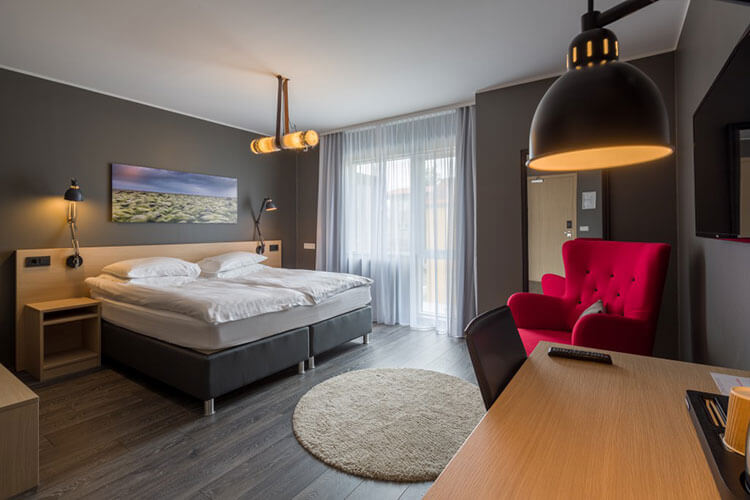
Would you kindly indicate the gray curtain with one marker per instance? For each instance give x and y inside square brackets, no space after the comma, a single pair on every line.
[329,247]
[464,263]
[341,211]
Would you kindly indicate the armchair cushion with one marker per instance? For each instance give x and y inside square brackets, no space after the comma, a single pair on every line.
[595,308]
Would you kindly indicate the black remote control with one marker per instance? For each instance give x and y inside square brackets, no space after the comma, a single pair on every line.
[562,352]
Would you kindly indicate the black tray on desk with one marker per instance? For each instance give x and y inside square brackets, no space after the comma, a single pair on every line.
[728,468]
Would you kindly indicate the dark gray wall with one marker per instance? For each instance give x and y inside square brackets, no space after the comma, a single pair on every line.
[307,206]
[642,198]
[51,132]
[714,275]
[593,218]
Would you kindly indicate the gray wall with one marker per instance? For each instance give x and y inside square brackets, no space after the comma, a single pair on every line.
[642,198]
[714,275]
[51,132]
[307,206]
[593,218]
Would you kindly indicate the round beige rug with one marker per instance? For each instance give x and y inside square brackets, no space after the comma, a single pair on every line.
[394,424]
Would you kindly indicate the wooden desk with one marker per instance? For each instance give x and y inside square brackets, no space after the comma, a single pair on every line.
[19,436]
[573,429]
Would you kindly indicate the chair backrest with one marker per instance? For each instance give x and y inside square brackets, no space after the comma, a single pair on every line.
[627,276]
[496,351]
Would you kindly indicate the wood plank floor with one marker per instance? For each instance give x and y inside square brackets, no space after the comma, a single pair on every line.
[115,434]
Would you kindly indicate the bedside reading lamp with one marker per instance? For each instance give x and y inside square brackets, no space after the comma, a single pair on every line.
[74,195]
[267,206]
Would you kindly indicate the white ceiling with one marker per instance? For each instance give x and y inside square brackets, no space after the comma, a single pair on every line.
[349,61]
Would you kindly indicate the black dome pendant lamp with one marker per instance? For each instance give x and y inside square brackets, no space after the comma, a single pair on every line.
[601,113]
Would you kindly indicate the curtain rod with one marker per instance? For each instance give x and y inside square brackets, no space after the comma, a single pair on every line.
[399,117]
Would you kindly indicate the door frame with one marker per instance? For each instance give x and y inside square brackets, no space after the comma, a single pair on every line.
[525,214]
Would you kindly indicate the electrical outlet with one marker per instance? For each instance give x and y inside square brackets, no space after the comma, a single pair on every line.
[38,261]
[309,246]
[273,248]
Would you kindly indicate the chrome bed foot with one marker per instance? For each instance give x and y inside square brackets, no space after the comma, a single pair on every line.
[208,407]
[366,338]
[301,367]
[311,362]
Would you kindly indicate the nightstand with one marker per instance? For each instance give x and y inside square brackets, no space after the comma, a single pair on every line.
[62,336]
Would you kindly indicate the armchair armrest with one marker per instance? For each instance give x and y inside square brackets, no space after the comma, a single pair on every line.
[554,285]
[615,333]
[531,310]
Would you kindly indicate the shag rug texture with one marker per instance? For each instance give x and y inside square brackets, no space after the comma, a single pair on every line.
[392,424]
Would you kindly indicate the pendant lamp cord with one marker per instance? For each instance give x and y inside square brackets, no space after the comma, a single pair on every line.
[278,110]
[286,105]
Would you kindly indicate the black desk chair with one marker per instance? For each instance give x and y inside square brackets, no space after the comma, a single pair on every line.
[496,351]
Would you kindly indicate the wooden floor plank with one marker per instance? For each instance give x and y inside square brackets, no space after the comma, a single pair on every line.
[115,433]
[415,491]
[378,490]
[329,485]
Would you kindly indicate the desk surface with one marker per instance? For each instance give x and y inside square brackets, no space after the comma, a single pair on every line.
[565,428]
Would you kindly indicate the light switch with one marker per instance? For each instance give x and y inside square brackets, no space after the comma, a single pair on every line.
[309,246]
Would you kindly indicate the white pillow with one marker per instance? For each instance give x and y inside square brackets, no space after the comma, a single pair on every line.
[237,272]
[153,267]
[595,308]
[229,261]
[158,281]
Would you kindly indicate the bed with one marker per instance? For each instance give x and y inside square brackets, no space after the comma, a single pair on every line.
[175,334]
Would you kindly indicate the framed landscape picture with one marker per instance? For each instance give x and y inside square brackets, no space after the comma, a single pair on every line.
[144,194]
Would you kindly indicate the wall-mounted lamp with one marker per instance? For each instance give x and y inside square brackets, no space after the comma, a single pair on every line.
[300,140]
[74,195]
[267,206]
[601,113]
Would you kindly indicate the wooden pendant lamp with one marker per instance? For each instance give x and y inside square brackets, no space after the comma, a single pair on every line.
[298,140]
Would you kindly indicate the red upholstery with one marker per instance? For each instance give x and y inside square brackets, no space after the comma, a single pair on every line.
[531,337]
[553,284]
[628,277]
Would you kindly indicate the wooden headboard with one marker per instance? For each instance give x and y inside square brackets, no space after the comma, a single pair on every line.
[57,281]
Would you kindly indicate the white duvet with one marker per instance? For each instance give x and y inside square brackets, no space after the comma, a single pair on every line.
[315,285]
[217,300]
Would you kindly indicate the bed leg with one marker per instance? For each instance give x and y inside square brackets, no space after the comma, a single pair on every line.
[366,338]
[208,407]
[311,362]
[301,367]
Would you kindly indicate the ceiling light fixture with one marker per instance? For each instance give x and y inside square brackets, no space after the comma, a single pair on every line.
[601,113]
[297,140]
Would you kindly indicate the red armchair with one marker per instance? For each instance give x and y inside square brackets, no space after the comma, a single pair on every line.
[627,277]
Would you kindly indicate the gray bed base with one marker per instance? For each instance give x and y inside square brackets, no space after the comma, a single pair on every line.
[207,376]
[335,331]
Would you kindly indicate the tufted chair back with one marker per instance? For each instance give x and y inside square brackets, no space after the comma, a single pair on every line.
[628,277]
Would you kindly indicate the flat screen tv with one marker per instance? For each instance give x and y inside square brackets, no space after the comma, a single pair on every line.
[721,136]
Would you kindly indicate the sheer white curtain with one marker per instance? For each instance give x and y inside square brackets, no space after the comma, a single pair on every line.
[397,202]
